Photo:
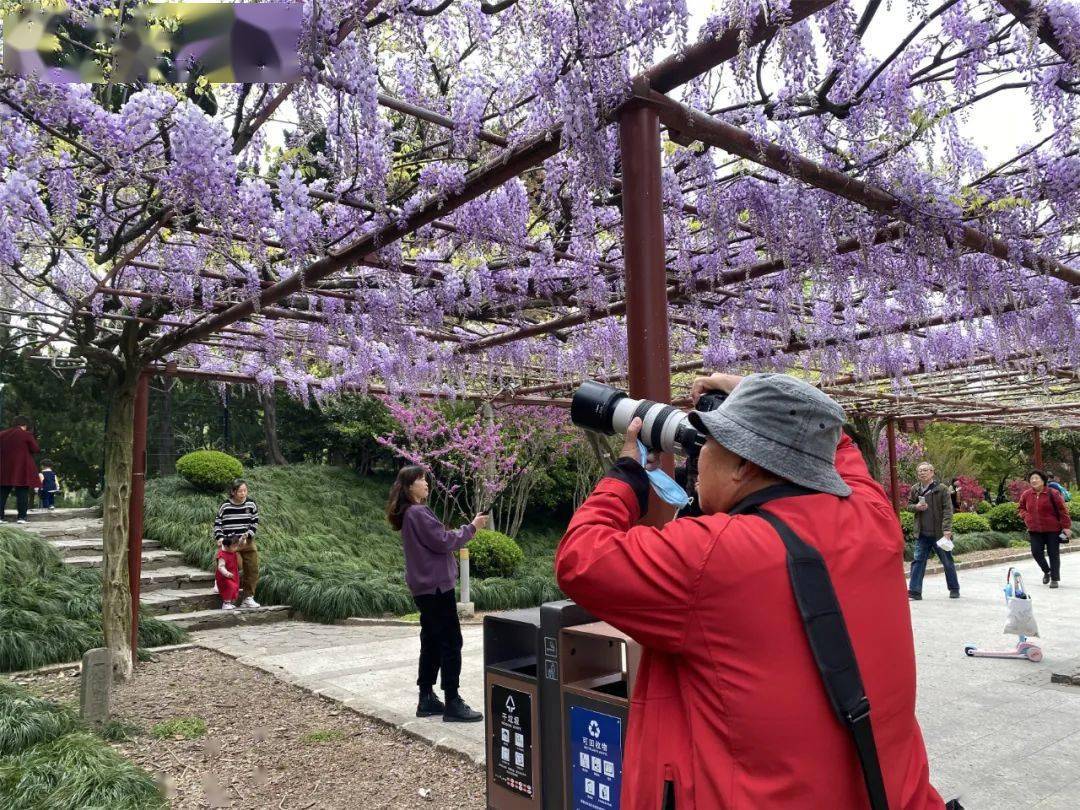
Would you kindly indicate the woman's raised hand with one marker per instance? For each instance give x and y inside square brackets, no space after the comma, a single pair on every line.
[480,521]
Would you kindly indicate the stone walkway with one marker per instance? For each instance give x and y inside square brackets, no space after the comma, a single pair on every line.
[999,733]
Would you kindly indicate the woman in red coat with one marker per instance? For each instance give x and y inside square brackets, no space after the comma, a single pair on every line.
[1047,519]
[17,468]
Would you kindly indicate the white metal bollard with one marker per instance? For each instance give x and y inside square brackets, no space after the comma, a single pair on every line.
[465,606]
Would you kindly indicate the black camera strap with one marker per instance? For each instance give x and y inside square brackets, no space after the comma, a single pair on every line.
[829,641]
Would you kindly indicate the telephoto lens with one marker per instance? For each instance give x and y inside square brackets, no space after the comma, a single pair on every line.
[604,409]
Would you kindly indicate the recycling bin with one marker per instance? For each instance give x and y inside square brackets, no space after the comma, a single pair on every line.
[599,665]
[512,716]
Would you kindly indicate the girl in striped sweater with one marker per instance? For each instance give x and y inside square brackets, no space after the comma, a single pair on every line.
[239,517]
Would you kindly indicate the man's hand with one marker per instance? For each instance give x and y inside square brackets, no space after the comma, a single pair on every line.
[629,445]
[714,382]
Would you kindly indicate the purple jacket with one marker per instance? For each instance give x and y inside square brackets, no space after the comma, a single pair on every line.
[429,547]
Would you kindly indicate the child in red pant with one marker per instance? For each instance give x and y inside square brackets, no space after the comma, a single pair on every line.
[227,576]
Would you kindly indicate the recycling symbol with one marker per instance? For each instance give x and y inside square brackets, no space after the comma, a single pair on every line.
[594,729]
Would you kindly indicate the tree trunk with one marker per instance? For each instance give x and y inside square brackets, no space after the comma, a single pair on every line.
[115,591]
[167,447]
[1076,464]
[273,447]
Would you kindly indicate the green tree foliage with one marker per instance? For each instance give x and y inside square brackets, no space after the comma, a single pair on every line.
[493,554]
[352,424]
[209,470]
[68,416]
[985,454]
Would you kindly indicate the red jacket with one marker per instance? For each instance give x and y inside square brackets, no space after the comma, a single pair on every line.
[17,467]
[729,705]
[1038,513]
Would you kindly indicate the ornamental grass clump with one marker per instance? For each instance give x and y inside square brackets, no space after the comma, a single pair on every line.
[49,761]
[51,613]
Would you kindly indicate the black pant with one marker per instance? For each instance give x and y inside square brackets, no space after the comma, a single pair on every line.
[22,500]
[1050,542]
[440,641]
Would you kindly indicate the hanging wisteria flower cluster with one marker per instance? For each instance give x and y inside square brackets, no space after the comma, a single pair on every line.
[127,214]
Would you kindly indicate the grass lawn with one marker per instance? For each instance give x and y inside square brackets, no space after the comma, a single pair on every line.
[325,547]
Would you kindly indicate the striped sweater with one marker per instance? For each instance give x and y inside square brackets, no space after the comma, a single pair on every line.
[236,519]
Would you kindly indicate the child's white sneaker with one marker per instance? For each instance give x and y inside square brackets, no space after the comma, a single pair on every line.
[21,521]
[228,606]
[250,603]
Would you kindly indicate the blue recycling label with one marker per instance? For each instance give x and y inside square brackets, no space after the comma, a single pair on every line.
[595,759]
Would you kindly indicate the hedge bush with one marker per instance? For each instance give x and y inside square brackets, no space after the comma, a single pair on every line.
[982,507]
[1005,517]
[968,522]
[1074,511]
[209,470]
[493,554]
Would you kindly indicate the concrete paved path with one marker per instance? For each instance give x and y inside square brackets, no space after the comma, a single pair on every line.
[999,733]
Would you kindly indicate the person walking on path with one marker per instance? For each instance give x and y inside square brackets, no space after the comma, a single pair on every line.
[933,522]
[50,485]
[17,469]
[729,708]
[431,573]
[1047,519]
[239,517]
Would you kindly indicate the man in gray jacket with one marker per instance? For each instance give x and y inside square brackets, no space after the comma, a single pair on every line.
[933,522]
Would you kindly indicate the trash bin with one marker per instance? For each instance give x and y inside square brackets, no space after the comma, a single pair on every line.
[599,665]
[554,616]
[511,653]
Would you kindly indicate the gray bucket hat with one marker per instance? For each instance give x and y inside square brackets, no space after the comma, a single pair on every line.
[783,425]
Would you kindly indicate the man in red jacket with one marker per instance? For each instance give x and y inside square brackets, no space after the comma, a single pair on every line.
[729,710]
[17,469]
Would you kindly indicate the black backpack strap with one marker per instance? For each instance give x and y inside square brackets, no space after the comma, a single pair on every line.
[832,650]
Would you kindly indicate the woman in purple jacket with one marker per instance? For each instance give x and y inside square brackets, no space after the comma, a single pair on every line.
[431,573]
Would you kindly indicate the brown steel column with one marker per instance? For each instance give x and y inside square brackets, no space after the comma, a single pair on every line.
[646,280]
[1037,455]
[894,482]
[135,508]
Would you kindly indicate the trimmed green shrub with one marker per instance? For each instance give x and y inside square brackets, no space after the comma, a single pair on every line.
[1074,510]
[49,760]
[208,470]
[982,507]
[1005,517]
[51,613]
[493,554]
[907,523]
[968,522]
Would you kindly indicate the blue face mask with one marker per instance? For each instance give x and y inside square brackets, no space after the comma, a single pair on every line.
[663,484]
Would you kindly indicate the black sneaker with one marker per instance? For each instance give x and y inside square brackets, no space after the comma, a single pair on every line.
[458,711]
[1054,583]
[954,594]
[1046,578]
[429,705]
[914,597]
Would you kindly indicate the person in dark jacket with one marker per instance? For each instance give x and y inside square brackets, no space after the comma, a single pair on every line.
[18,472]
[933,522]
[1047,519]
[431,573]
